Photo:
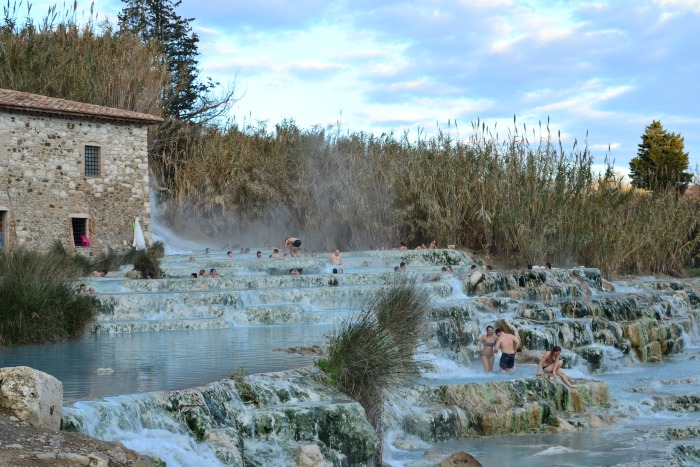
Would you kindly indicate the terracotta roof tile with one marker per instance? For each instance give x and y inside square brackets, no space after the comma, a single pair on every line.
[16,100]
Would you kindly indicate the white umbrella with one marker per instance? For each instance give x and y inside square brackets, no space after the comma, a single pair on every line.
[139,240]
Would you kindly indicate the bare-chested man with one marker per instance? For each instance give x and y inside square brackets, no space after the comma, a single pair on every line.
[293,244]
[508,343]
[335,258]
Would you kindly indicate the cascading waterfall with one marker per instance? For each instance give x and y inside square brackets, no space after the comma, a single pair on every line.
[215,326]
[140,423]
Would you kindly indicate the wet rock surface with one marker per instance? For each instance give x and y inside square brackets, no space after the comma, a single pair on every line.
[260,419]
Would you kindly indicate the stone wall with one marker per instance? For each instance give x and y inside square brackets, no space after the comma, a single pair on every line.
[43,183]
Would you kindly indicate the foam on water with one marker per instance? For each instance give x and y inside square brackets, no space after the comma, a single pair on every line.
[556,451]
[447,369]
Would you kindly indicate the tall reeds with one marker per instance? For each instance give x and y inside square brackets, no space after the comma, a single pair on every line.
[522,200]
[89,63]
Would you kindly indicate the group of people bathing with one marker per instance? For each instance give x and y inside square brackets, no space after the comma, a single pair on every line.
[550,364]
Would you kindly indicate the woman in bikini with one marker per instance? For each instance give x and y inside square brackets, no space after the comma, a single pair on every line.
[551,363]
[487,354]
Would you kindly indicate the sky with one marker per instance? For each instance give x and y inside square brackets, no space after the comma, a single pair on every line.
[598,71]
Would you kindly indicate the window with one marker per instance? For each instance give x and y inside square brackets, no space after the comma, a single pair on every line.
[92,161]
[80,231]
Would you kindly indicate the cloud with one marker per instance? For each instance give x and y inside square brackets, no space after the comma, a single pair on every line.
[604,147]
[683,5]
[606,67]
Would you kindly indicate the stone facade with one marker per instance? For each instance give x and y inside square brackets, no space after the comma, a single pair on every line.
[46,191]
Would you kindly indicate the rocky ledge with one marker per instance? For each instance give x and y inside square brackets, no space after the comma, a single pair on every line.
[24,445]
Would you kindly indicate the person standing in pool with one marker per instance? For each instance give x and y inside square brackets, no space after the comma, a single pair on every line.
[293,244]
[551,364]
[488,356]
[508,344]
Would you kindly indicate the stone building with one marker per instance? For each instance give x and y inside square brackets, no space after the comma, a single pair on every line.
[72,172]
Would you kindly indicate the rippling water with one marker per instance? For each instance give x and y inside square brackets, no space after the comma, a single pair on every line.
[96,366]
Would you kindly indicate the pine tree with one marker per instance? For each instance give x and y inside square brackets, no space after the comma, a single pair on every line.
[661,161]
[156,20]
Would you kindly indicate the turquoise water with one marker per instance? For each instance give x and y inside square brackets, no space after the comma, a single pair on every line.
[154,361]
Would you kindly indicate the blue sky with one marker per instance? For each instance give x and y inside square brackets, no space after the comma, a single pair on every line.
[606,68]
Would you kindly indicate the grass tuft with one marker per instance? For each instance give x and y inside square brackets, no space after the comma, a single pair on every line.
[375,349]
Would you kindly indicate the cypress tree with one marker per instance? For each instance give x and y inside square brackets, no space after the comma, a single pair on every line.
[661,161]
[156,20]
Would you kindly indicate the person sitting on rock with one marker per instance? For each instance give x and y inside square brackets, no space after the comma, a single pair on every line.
[551,364]
[508,344]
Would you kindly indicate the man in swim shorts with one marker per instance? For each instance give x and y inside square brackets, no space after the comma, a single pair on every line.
[508,344]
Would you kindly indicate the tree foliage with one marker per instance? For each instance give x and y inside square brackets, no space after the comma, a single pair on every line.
[187,97]
[661,161]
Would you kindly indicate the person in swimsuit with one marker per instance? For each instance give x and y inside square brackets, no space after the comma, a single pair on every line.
[551,363]
[487,354]
[508,344]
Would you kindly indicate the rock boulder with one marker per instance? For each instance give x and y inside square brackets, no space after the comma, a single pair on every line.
[32,396]
[459,458]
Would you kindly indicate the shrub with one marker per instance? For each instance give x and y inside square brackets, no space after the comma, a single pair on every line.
[37,300]
[147,263]
[111,260]
[375,349]
[158,249]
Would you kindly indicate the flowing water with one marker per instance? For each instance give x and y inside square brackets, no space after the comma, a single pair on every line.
[629,440]
[179,333]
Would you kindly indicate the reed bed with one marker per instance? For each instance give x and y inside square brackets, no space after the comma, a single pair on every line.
[522,200]
[87,63]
